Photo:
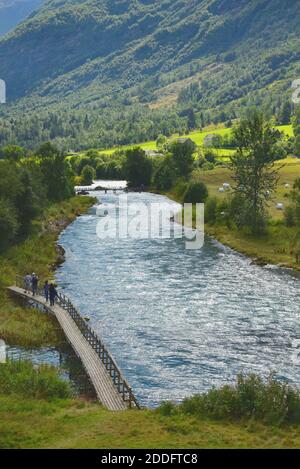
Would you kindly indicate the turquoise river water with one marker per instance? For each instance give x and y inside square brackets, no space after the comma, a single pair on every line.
[180,321]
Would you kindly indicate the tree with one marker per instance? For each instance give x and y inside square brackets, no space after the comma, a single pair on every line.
[10,182]
[165,175]
[101,170]
[57,177]
[13,152]
[8,223]
[26,204]
[161,141]
[191,119]
[82,162]
[196,193]
[47,150]
[254,174]
[292,213]
[285,113]
[138,168]
[88,175]
[182,154]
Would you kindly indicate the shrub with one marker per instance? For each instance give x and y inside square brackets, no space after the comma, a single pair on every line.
[167,408]
[24,379]
[251,397]
[196,193]
[88,175]
[179,189]
[211,207]
[210,156]
[290,216]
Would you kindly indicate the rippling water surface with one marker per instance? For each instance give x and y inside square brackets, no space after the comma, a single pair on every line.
[180,321]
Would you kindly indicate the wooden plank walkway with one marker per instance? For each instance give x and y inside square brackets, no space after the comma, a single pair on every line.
[112,390]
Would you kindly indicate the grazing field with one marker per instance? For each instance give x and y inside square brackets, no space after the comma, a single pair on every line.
[289,172]
[280,244]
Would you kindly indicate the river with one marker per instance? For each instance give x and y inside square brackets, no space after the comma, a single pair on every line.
[180,321]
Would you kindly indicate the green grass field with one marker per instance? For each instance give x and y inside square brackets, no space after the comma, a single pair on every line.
[78,424]
[197,136]
[288,174]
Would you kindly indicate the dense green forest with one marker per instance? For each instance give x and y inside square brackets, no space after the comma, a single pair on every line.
[28,184]
[97,73]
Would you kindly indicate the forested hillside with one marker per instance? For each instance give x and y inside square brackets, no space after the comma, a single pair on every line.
[102,72]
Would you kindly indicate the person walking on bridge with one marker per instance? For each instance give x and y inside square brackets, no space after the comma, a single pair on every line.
[27,283]
[46,290]
[52,294]
[34,283]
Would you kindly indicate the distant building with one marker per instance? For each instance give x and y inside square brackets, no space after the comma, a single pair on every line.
[152,153]
[209,140]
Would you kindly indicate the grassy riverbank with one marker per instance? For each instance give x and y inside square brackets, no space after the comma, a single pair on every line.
[279,244]
[77,424]
[24,326]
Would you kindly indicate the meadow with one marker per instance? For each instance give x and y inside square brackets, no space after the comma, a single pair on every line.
[280,244]
[197,137]
[69,423]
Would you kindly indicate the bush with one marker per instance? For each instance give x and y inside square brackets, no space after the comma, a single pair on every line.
[290,216]
[179,189]
[211,207]
[251,397]
[210,156]
[167,408]
[196,193]
[88,175]
[23,379]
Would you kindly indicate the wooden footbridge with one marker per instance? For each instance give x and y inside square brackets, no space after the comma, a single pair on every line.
[111,388]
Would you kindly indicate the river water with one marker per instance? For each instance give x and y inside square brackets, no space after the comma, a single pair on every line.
[180,321]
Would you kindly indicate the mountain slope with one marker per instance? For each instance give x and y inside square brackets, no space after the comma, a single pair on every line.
[128,53]
[13,12]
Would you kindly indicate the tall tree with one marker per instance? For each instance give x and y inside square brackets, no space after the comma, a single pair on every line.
[26,203]
[58,177]
[183,157]
[138,168]
[254,173]
[8,222]
[88,175]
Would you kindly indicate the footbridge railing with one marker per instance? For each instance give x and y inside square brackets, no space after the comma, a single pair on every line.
[95,342]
